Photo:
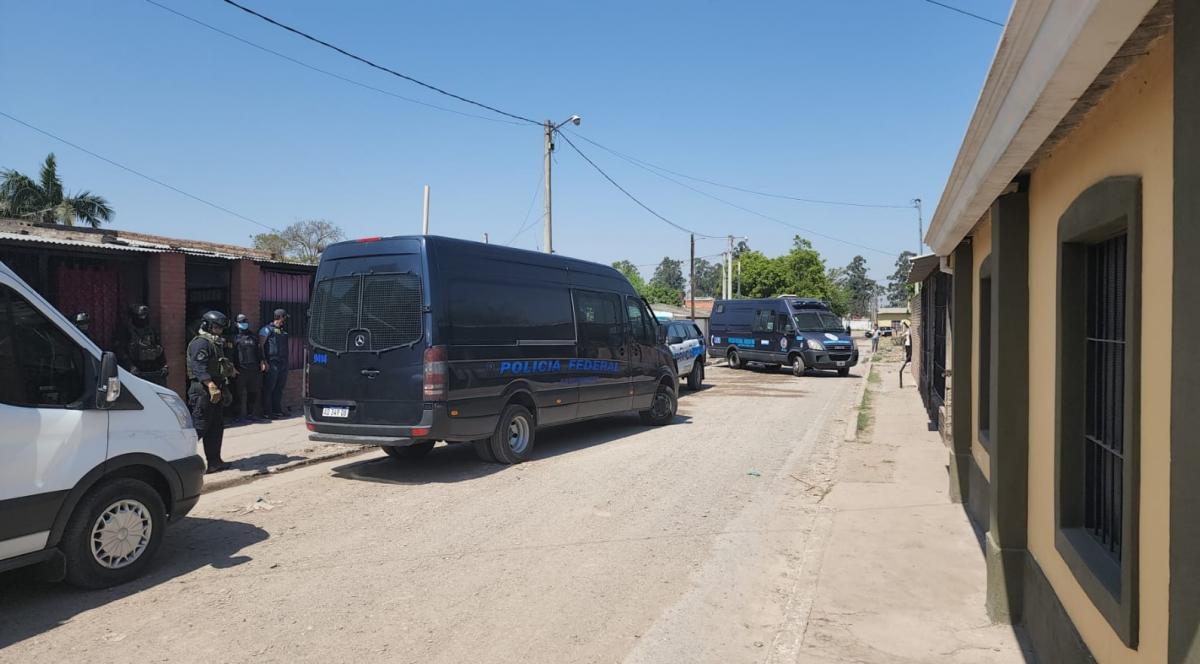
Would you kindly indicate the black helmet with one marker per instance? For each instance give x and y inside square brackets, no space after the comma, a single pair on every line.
[139,310]
[213,319]
[241,318]
[82,318]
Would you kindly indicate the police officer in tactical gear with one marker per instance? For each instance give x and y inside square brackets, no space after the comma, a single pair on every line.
[274,340]
[209,372]
[139,347]
[83,321]
[250,363]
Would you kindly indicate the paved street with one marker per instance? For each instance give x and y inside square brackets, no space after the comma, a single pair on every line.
[693,542]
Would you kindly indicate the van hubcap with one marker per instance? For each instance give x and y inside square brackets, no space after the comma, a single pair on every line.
[662,406]
[121,534]
[518,434]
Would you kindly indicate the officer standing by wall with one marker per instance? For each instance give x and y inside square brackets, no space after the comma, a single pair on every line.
[84,322]
[274,339]
[250,363]
[208,392]
[139,347]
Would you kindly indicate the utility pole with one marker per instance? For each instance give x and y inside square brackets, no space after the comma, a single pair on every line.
[729,270]
[547,221]
[920,227]
[485,238]
[692,278]
[425,214]
[739,286]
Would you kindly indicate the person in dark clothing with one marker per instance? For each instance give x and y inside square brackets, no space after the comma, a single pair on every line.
[250,363]
[208,373]
[274,340]
[84,322]
[139,347]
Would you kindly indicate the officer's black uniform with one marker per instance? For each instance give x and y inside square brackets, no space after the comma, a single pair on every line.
[248,357]
[205,355]
[139,348]
[275,349]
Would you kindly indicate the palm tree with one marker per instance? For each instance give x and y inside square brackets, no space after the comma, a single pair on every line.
[46,202]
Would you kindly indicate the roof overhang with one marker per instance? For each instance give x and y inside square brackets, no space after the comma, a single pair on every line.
[1050,53]
[921,267]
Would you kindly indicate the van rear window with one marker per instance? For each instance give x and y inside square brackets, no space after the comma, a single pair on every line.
[385,306]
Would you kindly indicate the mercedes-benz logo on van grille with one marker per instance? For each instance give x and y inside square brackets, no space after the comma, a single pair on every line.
[360,340]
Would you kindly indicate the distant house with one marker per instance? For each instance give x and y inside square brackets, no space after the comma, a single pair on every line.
[891,316]
[102,272]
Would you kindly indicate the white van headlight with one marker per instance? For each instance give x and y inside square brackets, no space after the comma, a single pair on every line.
[813,344]
[180,409]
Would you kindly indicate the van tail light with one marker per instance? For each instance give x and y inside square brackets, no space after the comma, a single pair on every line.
[437,374]
[306,363]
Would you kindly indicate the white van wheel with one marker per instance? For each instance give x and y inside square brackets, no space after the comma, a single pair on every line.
[113,533]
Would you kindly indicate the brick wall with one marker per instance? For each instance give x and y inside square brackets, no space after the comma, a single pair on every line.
[293,393]
[166,276]
[244,288]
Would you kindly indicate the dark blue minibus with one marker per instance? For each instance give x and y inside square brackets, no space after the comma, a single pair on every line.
[799,332]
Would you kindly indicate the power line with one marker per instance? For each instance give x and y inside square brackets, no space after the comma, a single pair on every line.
[633,198]
[325,71]
[964,12]
[756,213]
[525,223]
[815,201]
[380,67]
[138,173]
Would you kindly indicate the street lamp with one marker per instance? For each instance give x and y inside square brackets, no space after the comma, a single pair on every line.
[547,230]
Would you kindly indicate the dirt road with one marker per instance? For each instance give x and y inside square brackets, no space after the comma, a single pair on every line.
[618,543]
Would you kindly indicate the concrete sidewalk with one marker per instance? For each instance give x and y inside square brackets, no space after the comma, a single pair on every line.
[263,448]
[902,577]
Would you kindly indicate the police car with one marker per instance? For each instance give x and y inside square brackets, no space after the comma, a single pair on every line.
[687,346]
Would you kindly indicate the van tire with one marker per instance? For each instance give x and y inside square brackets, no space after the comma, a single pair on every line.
[798,367]
[844,372]
[657,416]
[735,361]
[127,498]
[516,422]
[483,450]
[695,377]
[414,451]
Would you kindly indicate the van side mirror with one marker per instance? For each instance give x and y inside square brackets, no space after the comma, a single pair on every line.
[108,384]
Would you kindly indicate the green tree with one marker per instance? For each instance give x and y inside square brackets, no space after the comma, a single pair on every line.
[631,273]
[708,278]
[659,294]
[669,274]
[302,241]
[860,288]
[898,289]
[46,201]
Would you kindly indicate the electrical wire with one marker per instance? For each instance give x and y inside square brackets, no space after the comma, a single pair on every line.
[526,224]
[138,173]
[747,210]
[964,12]
[380,67]
[815,201]
[326,72]
[631,197]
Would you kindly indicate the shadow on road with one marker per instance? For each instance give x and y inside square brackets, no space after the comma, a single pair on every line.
[457,462]
[265,460]
[30,606]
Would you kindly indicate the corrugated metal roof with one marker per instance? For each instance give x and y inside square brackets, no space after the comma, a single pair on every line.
[96,246]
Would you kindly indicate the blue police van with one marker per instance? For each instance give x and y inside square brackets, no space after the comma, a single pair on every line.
[419,339]
[799,332]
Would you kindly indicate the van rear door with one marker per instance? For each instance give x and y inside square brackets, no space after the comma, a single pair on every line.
[367,334]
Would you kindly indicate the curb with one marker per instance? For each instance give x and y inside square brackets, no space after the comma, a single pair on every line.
[851,434]
[228,482]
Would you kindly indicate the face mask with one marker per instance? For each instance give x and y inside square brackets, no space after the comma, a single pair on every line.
[243,326]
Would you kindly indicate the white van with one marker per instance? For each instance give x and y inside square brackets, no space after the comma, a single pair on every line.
[93,461]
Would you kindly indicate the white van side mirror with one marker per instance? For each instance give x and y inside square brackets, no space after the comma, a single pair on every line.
[108,383]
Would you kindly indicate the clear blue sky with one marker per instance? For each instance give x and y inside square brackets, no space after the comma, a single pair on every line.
[859,100]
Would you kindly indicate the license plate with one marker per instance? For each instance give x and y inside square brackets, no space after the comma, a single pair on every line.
[841,363]
[335,411]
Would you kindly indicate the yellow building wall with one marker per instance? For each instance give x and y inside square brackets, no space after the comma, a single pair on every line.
[1128,133]
[981,248]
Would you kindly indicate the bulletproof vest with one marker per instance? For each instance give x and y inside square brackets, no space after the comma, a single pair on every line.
[246,347]
[277,343]
[215,364]
[144,347]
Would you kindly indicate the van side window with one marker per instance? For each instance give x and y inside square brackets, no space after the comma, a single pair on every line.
[599,323]
[39,364]
[640,326]
[764,321]
[496,312]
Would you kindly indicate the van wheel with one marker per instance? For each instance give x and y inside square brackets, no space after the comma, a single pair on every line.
[662,407]
[414,451]
[696,377]
[513,440]
[735,361]
[113,534]
[798,367]
[483,450]
[844,372]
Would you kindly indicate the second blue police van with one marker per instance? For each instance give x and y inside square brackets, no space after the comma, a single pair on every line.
[799,332]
